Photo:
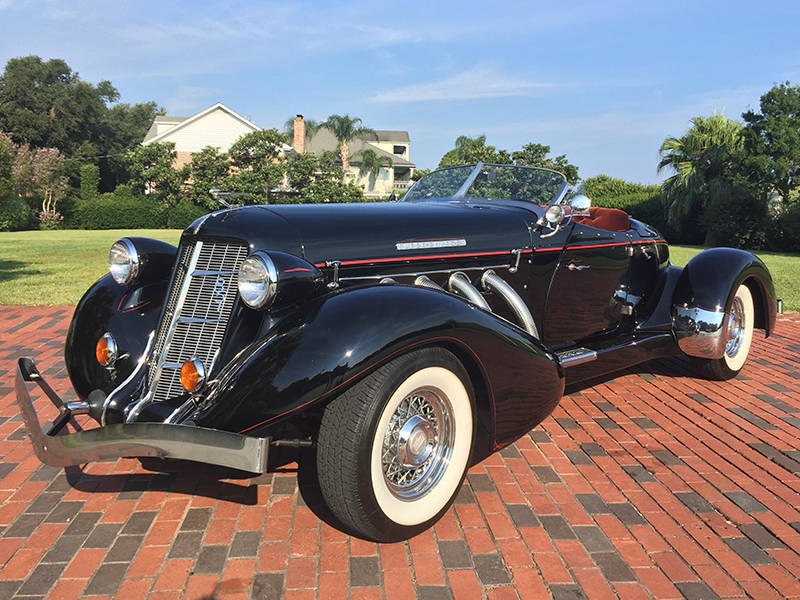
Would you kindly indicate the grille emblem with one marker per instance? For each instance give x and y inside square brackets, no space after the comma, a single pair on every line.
[219,292]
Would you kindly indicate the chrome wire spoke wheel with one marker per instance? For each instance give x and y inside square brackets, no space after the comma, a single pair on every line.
[737,328]
[417,444]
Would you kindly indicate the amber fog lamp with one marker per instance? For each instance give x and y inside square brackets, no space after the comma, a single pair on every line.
[123,262]
[193,375]
[106,350]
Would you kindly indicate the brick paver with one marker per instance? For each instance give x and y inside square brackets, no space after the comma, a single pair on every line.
[646,484]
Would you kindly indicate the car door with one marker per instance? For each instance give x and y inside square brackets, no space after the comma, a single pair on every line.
[587,293]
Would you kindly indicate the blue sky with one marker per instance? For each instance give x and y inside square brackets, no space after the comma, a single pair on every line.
[602,82]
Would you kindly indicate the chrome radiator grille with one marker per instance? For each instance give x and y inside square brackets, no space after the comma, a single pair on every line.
[199,306]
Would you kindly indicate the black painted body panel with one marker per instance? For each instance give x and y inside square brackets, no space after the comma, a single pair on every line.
[280,367]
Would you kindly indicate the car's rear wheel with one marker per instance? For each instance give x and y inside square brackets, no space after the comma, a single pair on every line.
[739,331]
[393,450]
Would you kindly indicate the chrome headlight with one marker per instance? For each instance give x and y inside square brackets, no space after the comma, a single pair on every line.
[123,262]
[258,280]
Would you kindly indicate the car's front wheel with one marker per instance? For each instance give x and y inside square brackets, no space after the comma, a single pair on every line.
[393,450]
[739,327]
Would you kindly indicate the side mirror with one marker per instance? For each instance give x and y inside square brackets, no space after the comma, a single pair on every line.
[580,205]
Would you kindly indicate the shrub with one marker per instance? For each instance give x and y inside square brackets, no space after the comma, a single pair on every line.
[739,222]
[90,180]
[783,230]
[184,214]
[122,209]
[15,214]
[603,186]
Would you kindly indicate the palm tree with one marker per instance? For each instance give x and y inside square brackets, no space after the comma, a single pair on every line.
[702,161]
[372,163]
[346,129]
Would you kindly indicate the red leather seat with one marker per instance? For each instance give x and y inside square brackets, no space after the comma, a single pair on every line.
[609,219]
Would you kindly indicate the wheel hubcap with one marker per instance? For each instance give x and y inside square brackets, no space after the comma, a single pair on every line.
[736,329]
[417,444]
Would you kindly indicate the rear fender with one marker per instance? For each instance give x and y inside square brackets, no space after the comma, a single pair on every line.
[333,342]
[704,290]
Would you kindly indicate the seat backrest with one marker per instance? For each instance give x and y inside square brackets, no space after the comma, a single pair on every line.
[609,219]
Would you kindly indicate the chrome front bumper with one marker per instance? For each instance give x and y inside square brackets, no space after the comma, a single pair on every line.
[131,439]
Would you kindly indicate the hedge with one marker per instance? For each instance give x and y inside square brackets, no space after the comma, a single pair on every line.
[122,209]
[15,213]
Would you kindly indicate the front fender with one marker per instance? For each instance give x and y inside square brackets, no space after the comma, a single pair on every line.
[704,291]
[331,343]
[129,314]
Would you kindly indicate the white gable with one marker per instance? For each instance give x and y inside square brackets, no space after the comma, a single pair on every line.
[216,126]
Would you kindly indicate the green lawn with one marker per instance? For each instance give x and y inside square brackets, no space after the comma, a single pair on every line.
[45,268]
[785,270]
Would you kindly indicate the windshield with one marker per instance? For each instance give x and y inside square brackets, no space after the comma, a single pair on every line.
[500,182]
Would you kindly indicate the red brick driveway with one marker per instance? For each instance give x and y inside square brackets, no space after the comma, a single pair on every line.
[650,484]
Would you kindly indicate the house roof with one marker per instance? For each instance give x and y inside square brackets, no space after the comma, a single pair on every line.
[393,136]
[153,131]
[181,122]
[325,140]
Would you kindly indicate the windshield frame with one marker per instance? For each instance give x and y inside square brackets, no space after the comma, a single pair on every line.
[462,191]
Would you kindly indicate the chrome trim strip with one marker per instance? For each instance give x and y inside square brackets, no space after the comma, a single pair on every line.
[196,320]
[561,193]
[130,377]
[419,273]
[700,332]
[175,318]
[210,273]
[468,182]
[161,440]
[425,245]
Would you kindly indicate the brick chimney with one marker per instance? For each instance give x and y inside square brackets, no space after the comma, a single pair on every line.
[299,142]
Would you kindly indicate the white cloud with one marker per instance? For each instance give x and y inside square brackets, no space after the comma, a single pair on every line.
[480,82]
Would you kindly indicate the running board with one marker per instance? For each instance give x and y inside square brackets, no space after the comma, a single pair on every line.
[576,356]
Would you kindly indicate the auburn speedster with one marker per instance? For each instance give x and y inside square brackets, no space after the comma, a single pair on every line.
[401,342]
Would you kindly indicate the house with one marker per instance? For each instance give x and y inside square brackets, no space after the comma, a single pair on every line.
[393,145]
[216,126]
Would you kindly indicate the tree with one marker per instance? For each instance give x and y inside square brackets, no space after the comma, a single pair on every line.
[152,173]
[372,163]
[7,154]
[209,170]
[702,162]
[535,155]
[772,142]
[470,150]
[346,129]
[302,169]
[44,104]
[259,157]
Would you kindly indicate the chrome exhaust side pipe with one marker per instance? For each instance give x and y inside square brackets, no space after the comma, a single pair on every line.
[427,282]
[460,285]
[491,282]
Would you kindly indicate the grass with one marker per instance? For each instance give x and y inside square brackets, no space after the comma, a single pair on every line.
[51,268]
[785,270]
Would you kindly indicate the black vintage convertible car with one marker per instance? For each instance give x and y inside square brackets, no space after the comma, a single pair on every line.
[403,341]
